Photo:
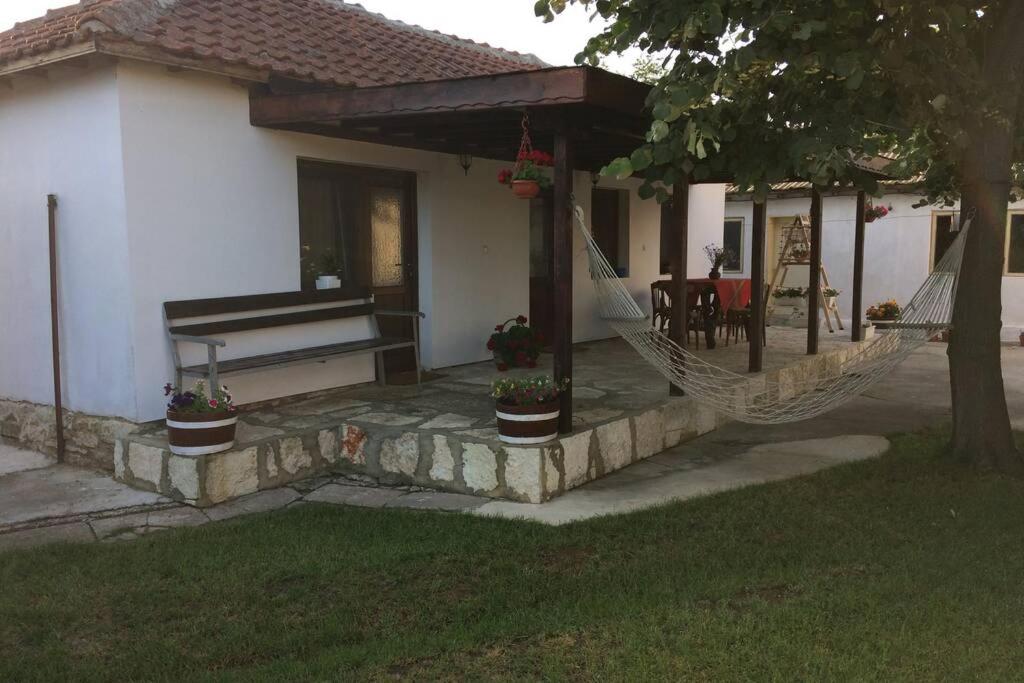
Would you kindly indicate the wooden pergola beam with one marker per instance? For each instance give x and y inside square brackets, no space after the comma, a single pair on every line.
[559,86]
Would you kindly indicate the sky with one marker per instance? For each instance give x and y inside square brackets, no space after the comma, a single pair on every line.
[510,24]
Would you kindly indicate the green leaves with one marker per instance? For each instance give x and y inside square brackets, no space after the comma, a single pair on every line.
[768,90]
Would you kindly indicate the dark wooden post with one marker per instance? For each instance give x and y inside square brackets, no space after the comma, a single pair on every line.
[814,285]
[680,241]
[857,334]
[757,301]
[561,251]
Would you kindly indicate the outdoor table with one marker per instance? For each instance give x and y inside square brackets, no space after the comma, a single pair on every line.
[718,296]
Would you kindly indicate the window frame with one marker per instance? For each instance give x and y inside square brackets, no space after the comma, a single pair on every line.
[743,241]
[1006,249]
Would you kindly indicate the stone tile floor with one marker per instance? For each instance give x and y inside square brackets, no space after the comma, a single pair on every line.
[609,381]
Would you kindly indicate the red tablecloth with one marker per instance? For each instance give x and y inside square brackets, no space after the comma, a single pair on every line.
[732,292]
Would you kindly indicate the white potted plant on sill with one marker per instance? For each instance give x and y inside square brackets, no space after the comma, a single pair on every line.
[328,272]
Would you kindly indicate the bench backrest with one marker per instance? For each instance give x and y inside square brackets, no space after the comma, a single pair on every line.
[195,308]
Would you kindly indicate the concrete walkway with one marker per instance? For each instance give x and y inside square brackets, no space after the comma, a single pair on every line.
[43,503]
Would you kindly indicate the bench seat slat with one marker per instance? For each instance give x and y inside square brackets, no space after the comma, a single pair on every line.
[281,320]
[301,355]
[194,308]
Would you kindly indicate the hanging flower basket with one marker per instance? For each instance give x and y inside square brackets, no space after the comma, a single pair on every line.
[525,189]
[873,213]
[528,177]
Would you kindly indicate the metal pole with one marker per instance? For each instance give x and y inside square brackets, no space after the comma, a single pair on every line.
[58,403]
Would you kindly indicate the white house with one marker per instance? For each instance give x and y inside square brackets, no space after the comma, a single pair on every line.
[136,114]
[899,251]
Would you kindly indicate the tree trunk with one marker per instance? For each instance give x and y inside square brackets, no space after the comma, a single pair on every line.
[981,421]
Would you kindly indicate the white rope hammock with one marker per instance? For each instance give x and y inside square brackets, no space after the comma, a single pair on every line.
[756,399]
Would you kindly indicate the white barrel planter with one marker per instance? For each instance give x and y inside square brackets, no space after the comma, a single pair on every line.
[200,433]
[526,425]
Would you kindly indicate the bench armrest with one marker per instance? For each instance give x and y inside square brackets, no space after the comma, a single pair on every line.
[408,314]
[209,341]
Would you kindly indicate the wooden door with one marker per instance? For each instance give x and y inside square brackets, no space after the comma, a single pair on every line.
[390,217]
[366,219]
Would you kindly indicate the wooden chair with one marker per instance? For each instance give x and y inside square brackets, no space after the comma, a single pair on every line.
[661,304]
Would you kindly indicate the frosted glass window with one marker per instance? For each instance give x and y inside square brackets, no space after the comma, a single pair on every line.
[386,224]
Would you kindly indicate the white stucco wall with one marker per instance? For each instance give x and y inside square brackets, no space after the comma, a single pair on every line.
[897,249]
[61,135]
[167,192]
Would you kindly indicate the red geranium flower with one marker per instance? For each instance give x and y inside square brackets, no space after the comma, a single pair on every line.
[521,319]
[497,328]
[213,403]
[490,344]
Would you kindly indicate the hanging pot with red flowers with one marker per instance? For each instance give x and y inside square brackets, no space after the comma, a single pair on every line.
[873,213]
[528,177]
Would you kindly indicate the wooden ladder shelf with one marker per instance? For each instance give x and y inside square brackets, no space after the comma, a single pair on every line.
[796,252]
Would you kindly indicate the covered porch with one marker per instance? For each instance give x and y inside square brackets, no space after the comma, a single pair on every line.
[442,436]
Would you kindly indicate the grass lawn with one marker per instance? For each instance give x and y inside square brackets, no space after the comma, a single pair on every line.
[906,567]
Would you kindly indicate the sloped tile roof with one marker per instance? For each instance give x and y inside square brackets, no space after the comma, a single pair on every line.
[322,41]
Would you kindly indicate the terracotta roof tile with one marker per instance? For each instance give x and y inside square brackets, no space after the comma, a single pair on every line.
[326,41]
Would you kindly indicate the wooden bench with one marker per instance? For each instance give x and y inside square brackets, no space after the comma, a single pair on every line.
[209,333]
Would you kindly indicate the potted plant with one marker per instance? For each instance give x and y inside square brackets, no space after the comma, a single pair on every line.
[800,253]
[527,409]
[873,213]
[327,272]
[717,256]
[886,311]
[515,345]
[528,177]
[199,423]
[830,294]
[790,309]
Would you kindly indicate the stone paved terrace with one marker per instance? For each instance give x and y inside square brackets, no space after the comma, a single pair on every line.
[443,435]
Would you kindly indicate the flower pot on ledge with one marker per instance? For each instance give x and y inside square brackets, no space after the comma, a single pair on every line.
[525,425]
[200,433]
[525,189]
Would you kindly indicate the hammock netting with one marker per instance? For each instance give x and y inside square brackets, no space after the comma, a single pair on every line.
[757,399]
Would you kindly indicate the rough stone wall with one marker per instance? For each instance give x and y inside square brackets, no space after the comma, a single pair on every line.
[89,440]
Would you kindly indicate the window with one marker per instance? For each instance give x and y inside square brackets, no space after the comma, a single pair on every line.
[1015,245]
[353,223]
[610,225]
[732,239]
[942,235]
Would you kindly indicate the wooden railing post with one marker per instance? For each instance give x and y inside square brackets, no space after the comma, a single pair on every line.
[679,321]
[561,249]
[757,300]
[814,285]
[857,334]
